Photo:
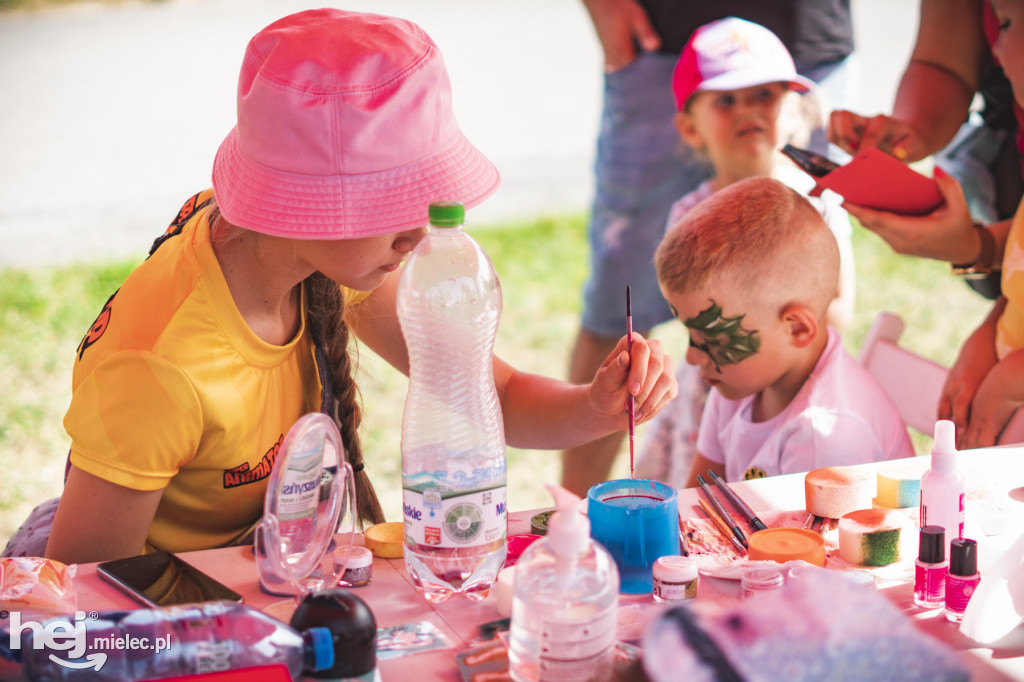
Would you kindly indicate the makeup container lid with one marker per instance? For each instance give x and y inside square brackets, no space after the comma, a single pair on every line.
[932,547]
[352,557]
[674,569]
[963,556]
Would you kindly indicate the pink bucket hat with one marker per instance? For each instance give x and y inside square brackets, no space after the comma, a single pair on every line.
[732,54]
[345,129]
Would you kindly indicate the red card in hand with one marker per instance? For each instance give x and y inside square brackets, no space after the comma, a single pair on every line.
[877,180]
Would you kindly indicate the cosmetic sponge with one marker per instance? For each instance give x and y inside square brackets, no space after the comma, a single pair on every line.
[875,537]
[832,492]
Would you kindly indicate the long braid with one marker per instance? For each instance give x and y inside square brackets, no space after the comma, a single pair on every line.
[325,315]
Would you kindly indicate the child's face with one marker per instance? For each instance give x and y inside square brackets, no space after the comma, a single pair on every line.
[739,350]
[738,129]
[361,264]
[1009,47]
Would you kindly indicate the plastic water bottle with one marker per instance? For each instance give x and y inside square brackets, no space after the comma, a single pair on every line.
[453,438]
[565,602]
[153,644]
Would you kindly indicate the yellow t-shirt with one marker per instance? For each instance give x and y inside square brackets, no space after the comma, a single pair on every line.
[172,390]
[1010,329]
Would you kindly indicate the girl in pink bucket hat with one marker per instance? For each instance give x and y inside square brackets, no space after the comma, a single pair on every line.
[238,323]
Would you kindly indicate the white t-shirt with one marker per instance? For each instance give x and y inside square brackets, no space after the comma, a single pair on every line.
[840,416]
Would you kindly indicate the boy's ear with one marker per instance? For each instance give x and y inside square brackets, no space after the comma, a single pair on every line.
[688,130]
[801,324]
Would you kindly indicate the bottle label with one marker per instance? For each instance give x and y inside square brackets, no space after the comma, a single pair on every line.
[667,591]
[959,590]
[455,520]
[578,648]
[960,517]
[300,492]
[212,657]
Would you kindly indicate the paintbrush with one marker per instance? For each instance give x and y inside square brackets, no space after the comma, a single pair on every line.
[720,524]
[737,502]
[683,549]
[632,401]
[726,516]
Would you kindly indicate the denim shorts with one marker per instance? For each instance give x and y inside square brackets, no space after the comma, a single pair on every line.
[642,167]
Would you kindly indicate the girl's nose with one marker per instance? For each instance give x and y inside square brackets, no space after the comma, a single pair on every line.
[407,241]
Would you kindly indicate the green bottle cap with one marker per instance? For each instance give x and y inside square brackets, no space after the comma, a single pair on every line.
[447,213]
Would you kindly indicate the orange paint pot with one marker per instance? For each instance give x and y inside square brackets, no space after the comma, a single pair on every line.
[787,544]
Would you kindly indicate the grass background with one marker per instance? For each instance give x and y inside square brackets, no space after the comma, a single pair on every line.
[542,264]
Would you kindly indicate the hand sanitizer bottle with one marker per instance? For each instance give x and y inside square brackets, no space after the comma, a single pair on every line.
[565,602]
[942,486]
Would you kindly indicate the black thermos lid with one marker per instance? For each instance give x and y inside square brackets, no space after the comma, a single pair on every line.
[932,548]
[353,629]
[963,557]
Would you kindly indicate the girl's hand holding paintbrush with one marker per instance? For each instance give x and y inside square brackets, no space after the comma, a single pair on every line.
[637,368]
[644,372]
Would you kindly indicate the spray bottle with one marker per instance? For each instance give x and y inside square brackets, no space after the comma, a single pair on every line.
[565,603]
[942,486]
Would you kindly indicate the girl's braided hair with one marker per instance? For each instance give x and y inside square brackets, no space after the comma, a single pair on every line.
[325,315]
[325,307]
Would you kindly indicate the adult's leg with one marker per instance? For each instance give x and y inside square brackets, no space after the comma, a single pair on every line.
[642,167]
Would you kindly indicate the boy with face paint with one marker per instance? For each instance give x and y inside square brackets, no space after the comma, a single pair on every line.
[732,86]
[751,272]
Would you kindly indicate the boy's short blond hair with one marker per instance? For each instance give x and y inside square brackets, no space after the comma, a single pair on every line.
[762,238]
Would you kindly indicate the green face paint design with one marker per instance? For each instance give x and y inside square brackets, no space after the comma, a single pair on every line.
[726,342]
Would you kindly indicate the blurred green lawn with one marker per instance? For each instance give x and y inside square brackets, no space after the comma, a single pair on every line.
[542,264]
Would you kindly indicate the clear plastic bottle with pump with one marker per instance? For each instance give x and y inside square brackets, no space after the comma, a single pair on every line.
[565,602]
[453,437]
[942,486]
[172,641]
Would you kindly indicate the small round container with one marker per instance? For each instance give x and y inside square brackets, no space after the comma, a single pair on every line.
[762,577]
[517,544]
[787,544]
[862,578]
[675,579]
[539,522]
[358,563]
[506,584]
[386,540]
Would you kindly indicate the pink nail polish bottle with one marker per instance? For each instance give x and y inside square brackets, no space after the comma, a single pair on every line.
[931,568]
[963,577]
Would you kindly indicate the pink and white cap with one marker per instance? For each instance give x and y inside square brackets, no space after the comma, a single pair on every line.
[732,54]
[345,129]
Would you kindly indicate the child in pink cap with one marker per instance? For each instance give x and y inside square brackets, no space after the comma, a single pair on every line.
[732,85]
[239,321]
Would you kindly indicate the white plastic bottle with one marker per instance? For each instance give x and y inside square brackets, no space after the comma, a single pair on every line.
[173,641]
[565,602]
[942,486]
[453,437]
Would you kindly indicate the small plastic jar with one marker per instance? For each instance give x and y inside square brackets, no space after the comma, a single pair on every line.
[762,577]
[674,578]
[358,563]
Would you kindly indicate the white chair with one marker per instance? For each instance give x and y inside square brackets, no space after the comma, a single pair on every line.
[913,382]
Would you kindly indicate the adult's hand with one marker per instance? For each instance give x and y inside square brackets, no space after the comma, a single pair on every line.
[976,359]
[853,133]
[998,397]
[645,372]
[947,233]
[620,25]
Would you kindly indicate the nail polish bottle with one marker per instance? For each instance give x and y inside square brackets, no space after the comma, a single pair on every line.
[931,568]
[963,577]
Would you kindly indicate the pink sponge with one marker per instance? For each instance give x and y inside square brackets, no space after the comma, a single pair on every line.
[832,492]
